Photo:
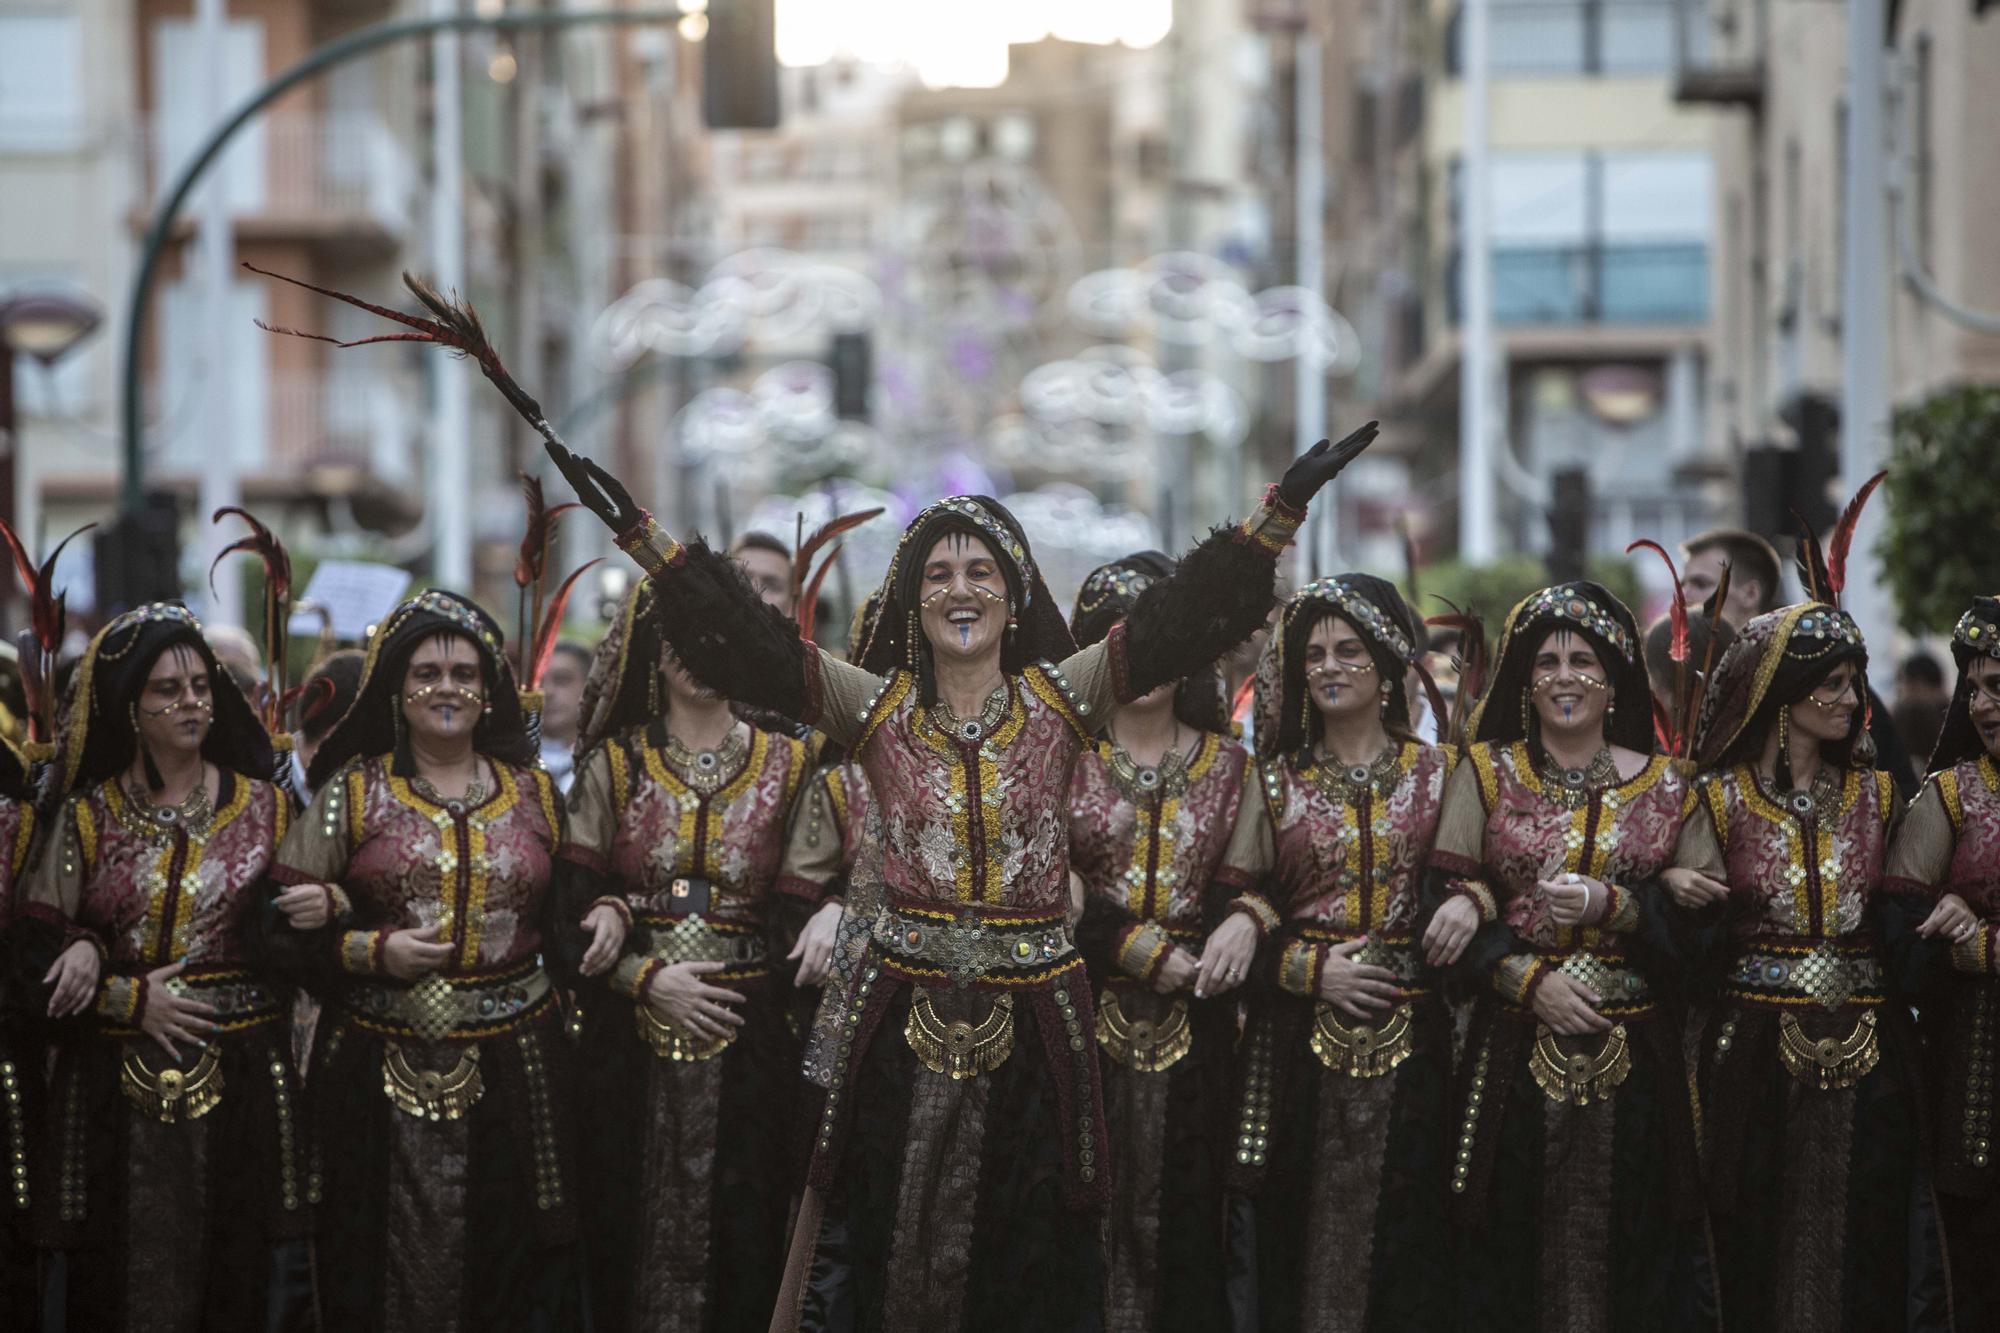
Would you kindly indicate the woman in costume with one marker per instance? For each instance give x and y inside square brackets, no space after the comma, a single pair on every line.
[1949,844]
[419,882]
[1152,807]
[1573,1151]
[176,1158]
[1341,1140]
[1820,1204]
[957,1170]
[690,1071]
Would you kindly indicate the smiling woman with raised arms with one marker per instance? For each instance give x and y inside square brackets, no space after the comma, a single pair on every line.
[960,1160]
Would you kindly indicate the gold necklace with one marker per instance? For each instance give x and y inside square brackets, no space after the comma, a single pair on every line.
[705,770]
[1575,786]
[973,729]
[1348,783]
[194,812]
[1139,782]
[475,791]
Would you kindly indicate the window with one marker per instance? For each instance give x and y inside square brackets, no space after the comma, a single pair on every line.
[1554,38]
[1014,138]
[41,81]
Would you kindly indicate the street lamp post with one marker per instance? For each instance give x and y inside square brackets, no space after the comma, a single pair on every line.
[46,324]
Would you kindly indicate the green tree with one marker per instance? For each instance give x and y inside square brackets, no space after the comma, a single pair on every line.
[1938,549]
[1492,589]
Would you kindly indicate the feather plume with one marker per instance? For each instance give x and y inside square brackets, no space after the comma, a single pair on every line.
[1440,714]
[24,564]
[551,627]
[1711,610]
[1678,613]
[805,582]
[1664,729]
[39,644]
[1843,536]
[1812,563]
[47,615]
[1473,661]
[453,325]
[277,562]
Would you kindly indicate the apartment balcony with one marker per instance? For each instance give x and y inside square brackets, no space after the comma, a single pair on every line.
[1621,284]
[338,180]
[1719,51]
[287,426]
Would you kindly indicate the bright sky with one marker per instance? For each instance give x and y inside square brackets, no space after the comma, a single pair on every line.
[961,42]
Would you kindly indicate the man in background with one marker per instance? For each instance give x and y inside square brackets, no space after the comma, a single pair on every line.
[767,563]
[1921,699]
[562,710]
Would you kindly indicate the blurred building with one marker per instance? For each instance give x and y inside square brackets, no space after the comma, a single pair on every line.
[1601,226]
[1776,69]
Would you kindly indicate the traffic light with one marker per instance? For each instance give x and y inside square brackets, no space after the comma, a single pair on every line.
[138,557]
[1779,482]
[851,358]
[739,66]
[1569,524]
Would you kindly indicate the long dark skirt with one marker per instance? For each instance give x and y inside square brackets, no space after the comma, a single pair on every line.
[689,1170]
[1824,1214]
[1577,1217]
[465,1225]
[1164,1252]
[1962,1046]
[21,1130]
[947,1208]
[172,1226]
[1349,1206]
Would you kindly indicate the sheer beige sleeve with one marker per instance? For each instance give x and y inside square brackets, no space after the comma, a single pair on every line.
[814,852]
[1924,843]
[1461,829]
[845,693]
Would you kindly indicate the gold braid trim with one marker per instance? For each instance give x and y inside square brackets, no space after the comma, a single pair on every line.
[1830,1062]
[1482,898]
[1142,950]
[670,1041]
[960,1049]
[649,546]
[1579,1079]
[1296,967]
[1974,955]
[1515,976]
[1621,915]
[1362,1050]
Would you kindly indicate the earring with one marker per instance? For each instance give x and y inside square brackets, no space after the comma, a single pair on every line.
[1383,705]
[1011,626]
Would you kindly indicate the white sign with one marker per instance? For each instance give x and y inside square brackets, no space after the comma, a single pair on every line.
[354,593]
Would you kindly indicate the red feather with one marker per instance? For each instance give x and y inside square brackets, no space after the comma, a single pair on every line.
[1474,662]
[48,608]
[24,565]
[1812,563]
[262,543]
[808,607]
[551,626]
[802,561]
[1663,728]
[1241,700]
[270,552]
[1691,712]
[1440,715]
[1843,536]
[534,539]
[1678,649]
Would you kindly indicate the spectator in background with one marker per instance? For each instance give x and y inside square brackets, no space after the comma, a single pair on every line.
[328,690]
[562,710]
[238,654]
[1921,699]
[767,563]
[1660,672]
[1754,586]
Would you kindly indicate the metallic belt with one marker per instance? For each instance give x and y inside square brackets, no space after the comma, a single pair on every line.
[967,947]
[1144,1045]
[436,1007]
[1613,982]
[236,998]
[694,939]
[1824,973]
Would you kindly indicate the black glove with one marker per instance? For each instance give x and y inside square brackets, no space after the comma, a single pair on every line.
[1322,463]
[602,494]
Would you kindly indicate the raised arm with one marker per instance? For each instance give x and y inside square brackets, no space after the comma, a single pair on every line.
[1217,596]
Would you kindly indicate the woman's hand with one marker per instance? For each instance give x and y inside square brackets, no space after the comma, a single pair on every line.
[1574,900]
[1567,1006]
[607,938]
[1952,918]
[602,494]
[1177,973]
[1320,464]
[409,954]
[1359,990]
[75,978]
[168,1017]
[1452,927]
[306,906]
[1225,958]
[814,950]
[1690,889]
[678,995]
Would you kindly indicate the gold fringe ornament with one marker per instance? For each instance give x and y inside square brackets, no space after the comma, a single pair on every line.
[959,1048]
[1579,1078]
[1140,1044]
[172,1094]
[1362,1050]
[431,1094]
[1829,1062]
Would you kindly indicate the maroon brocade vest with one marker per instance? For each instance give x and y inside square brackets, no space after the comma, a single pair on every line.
[1154,853]
[1348,863]
[975,818]
[1812,880]
[1971,792]
[732,837]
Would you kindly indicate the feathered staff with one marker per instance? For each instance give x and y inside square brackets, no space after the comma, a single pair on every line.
[40,643]
[1843,537]
[550,628]
[531,570]
[1471,661]
[1712,611]
[1675,726]
[261,542]
[806,582]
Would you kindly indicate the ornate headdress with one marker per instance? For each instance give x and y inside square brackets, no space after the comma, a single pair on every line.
[1777,659]
[99,736]
[1588,609]
[1976,636]
[1285,718]
[373,725]
[896,643]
